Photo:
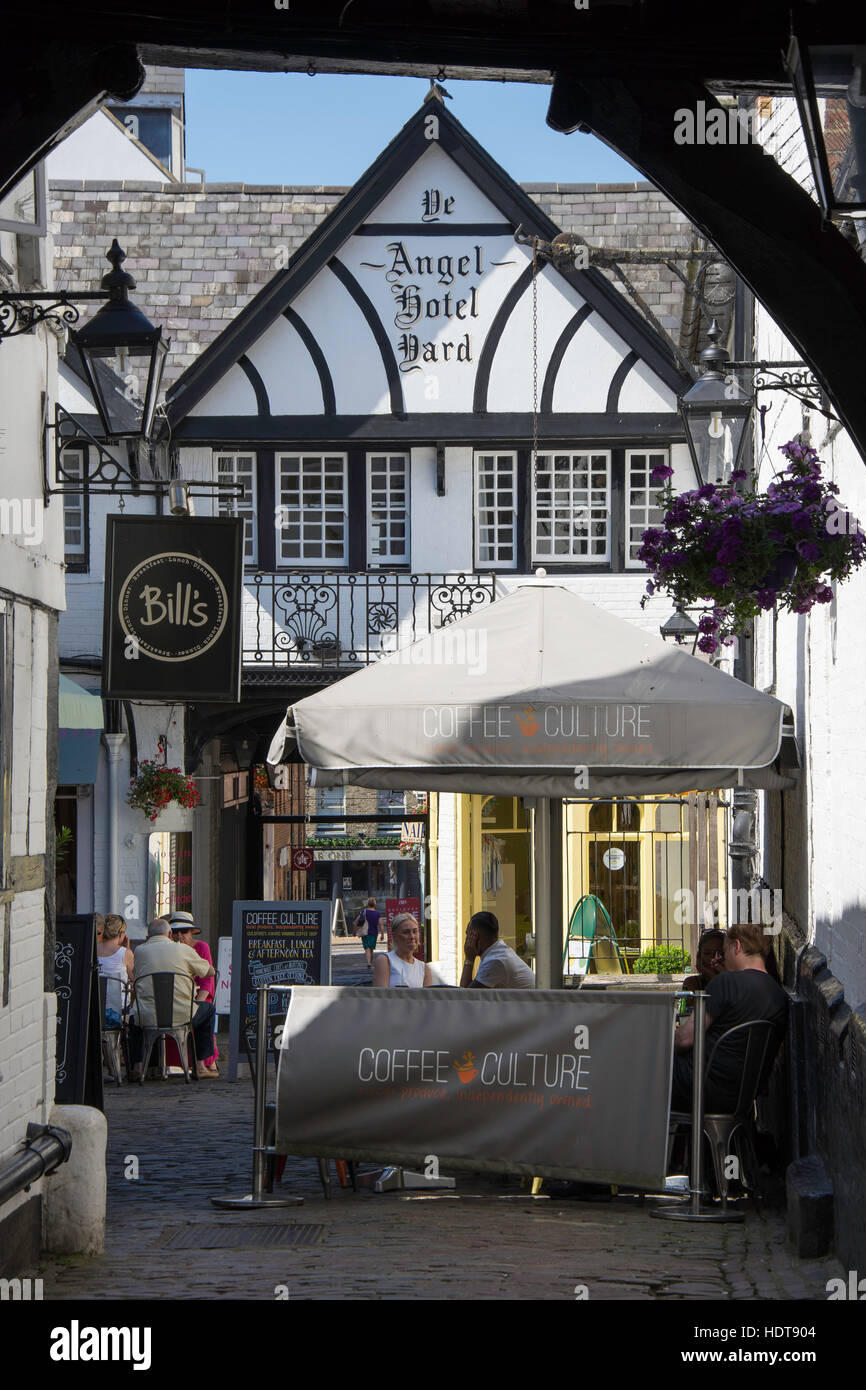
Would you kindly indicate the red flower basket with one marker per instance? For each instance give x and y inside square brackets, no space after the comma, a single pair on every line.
[156,786]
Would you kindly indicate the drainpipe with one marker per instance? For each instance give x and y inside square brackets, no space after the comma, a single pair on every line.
[45,1148]
[114,747]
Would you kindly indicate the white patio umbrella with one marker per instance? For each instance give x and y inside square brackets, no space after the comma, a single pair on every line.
[538,694]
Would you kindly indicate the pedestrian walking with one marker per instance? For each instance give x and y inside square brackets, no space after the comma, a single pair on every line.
[367,923]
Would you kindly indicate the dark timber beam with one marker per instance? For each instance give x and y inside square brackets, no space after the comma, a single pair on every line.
[802,270]
[50,89]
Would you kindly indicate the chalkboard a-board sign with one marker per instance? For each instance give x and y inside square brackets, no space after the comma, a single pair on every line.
[78,1074]
[274,944]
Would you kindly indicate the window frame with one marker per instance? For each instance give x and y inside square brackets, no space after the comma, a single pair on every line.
[228,505]
[283,562]
[78,562]
[505,566]
[576,562]
[630,565]
[388,562]
[330,830]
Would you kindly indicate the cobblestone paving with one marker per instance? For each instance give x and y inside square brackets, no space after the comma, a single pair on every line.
[193,1143]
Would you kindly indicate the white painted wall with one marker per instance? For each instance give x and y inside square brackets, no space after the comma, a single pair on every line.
[102,149]
[31,593]
[442,526]
[820,659]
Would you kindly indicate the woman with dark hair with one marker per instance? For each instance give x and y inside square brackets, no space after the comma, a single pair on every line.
[710,960]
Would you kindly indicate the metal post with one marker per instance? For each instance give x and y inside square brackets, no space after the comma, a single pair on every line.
[555,893]
[693,1209]
[541,892]
[258,1197]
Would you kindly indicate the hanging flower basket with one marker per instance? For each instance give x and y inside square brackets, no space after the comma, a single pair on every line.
[156,786]
[747,552]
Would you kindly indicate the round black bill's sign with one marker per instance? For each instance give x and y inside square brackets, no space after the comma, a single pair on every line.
[173,599]
[173,605]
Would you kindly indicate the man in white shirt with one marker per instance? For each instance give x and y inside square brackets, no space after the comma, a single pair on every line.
[159,954]
[499,967]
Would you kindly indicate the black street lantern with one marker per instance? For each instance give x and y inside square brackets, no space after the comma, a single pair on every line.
[829,84]
[681,629]
[715,413]
[123,356]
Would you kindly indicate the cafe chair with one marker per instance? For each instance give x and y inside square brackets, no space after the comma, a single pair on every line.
[111,1034]
[721,1131]
[164,984]
[275,1163]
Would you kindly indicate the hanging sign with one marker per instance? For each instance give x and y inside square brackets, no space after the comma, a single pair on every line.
[303,858]
[173,593]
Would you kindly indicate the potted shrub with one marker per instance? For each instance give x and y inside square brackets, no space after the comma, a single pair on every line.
[662,960]
[155,786]
[744,552]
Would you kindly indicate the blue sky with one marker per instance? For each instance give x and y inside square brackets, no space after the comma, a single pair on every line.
[252,127]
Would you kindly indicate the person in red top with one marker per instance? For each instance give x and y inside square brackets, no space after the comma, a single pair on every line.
[184,930]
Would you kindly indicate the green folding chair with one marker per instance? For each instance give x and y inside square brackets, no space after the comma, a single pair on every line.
[591,937]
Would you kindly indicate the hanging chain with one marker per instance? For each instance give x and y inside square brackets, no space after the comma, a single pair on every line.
[534,367]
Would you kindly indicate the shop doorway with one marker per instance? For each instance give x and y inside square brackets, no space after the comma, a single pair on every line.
[658,866]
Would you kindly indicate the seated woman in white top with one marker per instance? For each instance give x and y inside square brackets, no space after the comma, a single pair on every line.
[115,960]
[399,966]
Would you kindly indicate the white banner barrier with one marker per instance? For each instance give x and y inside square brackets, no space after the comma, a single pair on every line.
[559,1083]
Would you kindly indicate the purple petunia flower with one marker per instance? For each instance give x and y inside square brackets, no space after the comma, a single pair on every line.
[660,472]
[707,624]
[720,576]
[766,598]
[707,644]
[808,550]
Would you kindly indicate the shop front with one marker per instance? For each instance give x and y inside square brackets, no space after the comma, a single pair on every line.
[655,865]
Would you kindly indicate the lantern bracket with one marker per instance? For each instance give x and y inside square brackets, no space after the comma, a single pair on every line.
[103,474]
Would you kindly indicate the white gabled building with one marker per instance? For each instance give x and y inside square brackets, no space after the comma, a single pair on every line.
[378,401]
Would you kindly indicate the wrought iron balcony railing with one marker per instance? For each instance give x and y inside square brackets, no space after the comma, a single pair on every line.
[312,624]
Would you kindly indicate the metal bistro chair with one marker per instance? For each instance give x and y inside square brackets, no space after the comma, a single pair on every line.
[163,1003]
[113,1035]
[763,1041]
[274,1162]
